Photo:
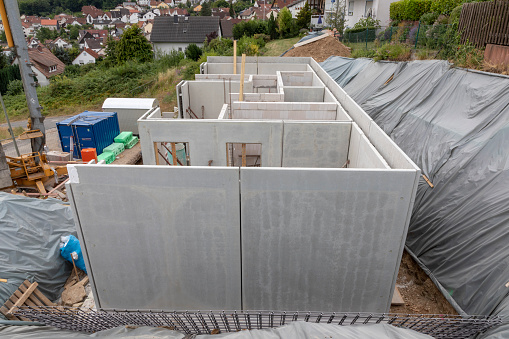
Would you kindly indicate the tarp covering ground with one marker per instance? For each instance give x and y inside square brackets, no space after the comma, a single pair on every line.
[454,124]
[295,330]
[30,231]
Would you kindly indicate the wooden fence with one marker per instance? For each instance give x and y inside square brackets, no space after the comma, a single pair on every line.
[484,23]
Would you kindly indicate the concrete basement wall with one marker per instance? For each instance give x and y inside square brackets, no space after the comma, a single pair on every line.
[362,154]
[297,78]
[284,110]
[303,94]
[159,237]
[319,239]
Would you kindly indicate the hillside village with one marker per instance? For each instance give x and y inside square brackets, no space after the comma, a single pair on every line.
[83,36]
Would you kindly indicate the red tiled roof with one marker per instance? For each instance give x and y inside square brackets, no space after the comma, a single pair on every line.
[43,59]
[45,22]
[91,52]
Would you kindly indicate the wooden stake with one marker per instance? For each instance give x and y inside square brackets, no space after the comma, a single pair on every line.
[244,155]
[156,151]
[242,70]
[174,153]
[427,180]
[75,270]
[234,56]
[3,280]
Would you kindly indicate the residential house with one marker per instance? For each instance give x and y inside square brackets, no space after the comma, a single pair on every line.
[147,16]
[99,34]
[92,13]
[134,17]
[293,5]
[158,4]
[27,29]
[82,37]
[359,9]
[220,12]
[44,64]
[176,33]
[143,3]
[59,42]
[227,27]
[102,24]
[77,22]
[33,43]
[50,24]
[93,44]
[87,56]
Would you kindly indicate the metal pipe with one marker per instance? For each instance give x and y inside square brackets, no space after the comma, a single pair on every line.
[9,123]
[20,323]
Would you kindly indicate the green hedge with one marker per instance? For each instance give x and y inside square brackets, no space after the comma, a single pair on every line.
[8,74]
[445,6]
[410,10]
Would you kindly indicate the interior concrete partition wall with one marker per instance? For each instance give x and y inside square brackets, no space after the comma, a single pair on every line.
[320,239]
[159,237]
[284,110]
[207,139]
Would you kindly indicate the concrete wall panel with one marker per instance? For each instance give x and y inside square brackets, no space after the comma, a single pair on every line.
[160,237]
[325,240]
[304,94]
[315,144]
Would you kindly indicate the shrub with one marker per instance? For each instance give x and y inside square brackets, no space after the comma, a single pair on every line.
[171,59]
[411,10]
[250,28]
[367,23]
[248,45]
[363,53]
[15,87]
[193,52]
[445,6]
[429,18]
[395,52]
[220,46]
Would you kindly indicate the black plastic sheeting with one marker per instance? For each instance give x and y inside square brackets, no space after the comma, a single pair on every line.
[30,231]
[295,330]
[454,124]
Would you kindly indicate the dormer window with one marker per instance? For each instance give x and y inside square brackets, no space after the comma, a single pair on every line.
[52,68]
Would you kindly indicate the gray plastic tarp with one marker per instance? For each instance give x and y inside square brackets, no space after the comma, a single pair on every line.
[295,330]
[30,231]
[342,70]
[454,124]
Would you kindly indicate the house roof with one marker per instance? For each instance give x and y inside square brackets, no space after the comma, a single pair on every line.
[93,43]
[42,58]
[45,22]
[92,10]
[185,29]
[227,27]
[91,52]
[284,3]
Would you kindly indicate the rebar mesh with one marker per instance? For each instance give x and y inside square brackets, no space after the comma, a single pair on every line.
[197,322]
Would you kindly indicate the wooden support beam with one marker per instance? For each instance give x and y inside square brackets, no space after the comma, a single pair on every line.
[174,153]
[427,180]
[166,147]
[234,56]
[157,152]
[242,72]
[244,163]
[23,298]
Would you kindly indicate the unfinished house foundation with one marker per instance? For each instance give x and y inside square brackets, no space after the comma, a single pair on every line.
[289,199]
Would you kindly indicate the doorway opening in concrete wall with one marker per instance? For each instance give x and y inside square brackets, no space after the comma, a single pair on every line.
[244,154]
[172,153]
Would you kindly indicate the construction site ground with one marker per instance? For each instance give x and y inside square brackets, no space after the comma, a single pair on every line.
[320,50]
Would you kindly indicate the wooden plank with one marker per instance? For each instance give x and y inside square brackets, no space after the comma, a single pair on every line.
[242,73]
[397,299]
[234,56]
[24,297]
[32,297]
[244,163]
[504,36]
[156,151]
[39,295]
[27,302]
[8,315]
[174,153]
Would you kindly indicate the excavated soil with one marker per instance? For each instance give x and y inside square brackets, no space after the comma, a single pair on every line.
[418,291]
[320,49]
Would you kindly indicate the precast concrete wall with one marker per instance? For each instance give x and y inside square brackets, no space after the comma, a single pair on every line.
[159,237]
[320,239]
[362,154]
[284,110]
[303,94]
[183,238]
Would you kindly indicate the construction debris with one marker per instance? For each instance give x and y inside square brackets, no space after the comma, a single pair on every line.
[27,294]
[320,49]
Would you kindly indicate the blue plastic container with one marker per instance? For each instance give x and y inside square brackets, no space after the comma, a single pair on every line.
[89,130]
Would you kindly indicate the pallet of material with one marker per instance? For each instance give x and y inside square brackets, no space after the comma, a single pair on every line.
[27,294]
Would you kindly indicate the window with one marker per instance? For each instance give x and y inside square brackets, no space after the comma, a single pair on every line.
[52,68]
[350,7]
[242,154]
[368,11]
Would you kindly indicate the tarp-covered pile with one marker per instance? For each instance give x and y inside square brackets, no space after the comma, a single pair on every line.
[30,231]
[454,124]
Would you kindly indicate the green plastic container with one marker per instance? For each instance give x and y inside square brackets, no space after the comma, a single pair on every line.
[124,137]
[108,157]
[133,141]
[115,148]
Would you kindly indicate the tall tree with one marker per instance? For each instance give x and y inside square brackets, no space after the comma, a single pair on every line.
[304,16]
[336,18]
[205,9]
[62,54]
[284,22]
[133,46]
[272,26]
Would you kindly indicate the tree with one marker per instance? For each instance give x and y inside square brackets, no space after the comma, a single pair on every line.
[272,26]
[133,46]
[205,9]
[336,18]
[232,12]
[73,53]
[62,54]
[304,16]
[44,34]
[284,22]
[74,32]
[3,37]
[220,3]
[193,52]
[367,23]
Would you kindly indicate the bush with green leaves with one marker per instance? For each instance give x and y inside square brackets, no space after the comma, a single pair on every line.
[7,75]
[287,28]
[429,18]
[250,28]
[133,46]
[219,46]
[445,6]
[15,87]
[410,10]
[193,52]
[171,59]
[304,17]
[396,52]
[248,46]
[367,23]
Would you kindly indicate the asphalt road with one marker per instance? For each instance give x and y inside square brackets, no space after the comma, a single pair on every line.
[49,122]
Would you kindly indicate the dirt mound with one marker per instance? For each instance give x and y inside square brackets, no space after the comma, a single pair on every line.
[320,49]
